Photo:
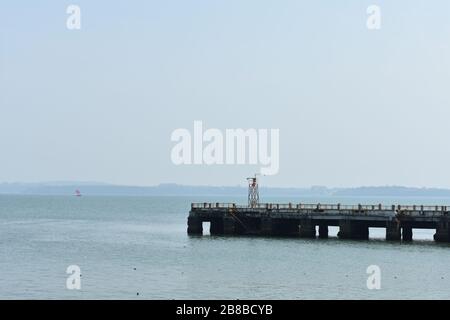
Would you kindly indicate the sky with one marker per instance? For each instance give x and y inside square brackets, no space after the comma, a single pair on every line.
[353,106]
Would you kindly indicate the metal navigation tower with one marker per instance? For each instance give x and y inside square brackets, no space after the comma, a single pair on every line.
[253,192]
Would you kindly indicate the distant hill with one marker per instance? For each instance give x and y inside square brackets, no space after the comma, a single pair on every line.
[90,188]
[393,191]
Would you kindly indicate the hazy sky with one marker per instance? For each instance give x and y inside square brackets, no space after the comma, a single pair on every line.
[353,106]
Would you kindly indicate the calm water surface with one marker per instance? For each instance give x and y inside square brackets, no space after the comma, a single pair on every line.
[130,245]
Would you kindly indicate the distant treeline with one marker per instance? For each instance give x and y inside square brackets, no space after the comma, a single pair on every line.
[185,190]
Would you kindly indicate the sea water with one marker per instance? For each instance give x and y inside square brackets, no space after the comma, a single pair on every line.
[138,248]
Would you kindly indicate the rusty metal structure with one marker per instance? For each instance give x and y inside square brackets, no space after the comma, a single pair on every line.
[253,192]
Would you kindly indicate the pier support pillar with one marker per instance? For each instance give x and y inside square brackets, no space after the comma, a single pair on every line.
[349,229]
[285,227]
[229,225]
[393,231]
[323,231]
[442,232]
[407,233]
[216,227]
[307,229]
[195,226]
[266,226]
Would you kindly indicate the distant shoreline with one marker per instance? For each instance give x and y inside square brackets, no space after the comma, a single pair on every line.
[186,190]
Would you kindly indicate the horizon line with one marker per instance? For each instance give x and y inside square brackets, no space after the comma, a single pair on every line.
[67,183]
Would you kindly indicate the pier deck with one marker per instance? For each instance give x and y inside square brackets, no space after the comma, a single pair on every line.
[302,220]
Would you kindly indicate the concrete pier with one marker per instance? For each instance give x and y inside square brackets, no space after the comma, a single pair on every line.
[442,232]
[407,234]
[353,229]
[393,231]
[229,225]
[323,231]
[216,226]
[195,225]
[285,227]
[307,229]
[266,226]
[303,220]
